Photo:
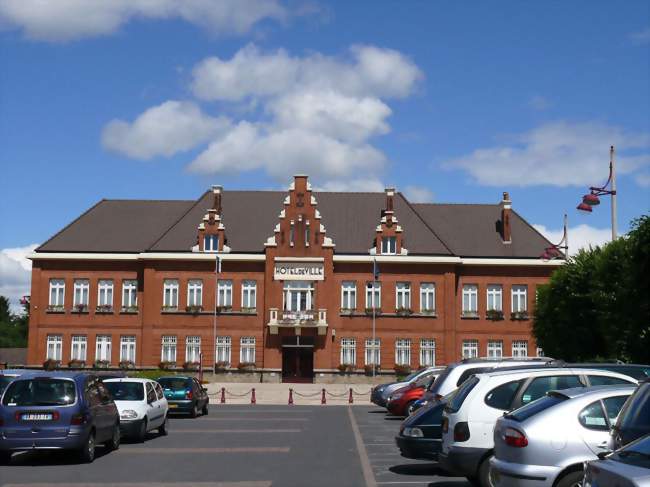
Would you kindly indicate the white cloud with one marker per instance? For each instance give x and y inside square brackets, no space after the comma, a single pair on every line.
[163,130]
[641,37]
[15,274]
[580,237]
[364,185]
[65,20]
[558,154]
[418,194]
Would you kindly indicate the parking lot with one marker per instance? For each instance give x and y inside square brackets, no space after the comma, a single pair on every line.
[245,446]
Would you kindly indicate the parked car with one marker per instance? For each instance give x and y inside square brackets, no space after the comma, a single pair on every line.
[546,442]
[185,395]
[142,406]
[629,466]
[420,435]
[634,420]
[636,371]
[8,375]
[468,425]
[400,402]
[379,394]
[45,411]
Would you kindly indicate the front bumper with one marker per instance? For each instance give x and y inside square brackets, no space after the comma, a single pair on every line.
[130,428]
[462,461]
[507,474]
[418,448]
[377,398]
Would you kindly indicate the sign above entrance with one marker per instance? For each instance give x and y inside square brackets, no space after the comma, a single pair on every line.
[299,271]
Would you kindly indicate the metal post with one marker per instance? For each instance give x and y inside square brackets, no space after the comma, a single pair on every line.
[566,236]
[214,315]
[374,310]
[612,168]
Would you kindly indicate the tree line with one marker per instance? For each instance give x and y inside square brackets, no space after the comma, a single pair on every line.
[13,327]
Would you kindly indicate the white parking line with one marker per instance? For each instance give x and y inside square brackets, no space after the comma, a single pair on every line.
[175,451]
[366,468]
[261,418]
[172,431]
[252,483]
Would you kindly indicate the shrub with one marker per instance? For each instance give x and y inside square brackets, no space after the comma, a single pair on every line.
[401,370]
[102,364]
[494,315]
[165,365]
[369,368]
[246,366]
[191,365]
[126,364]
[221,366]
[51,364]
[76,364]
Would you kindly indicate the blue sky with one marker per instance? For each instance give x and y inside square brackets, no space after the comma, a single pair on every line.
[449,101]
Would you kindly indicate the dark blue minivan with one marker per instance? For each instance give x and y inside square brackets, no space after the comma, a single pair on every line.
[55,411]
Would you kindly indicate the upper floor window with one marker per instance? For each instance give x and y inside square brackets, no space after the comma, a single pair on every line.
[57,293]
[403,351]
[389,245]
[349,295]
[495,297]
[470,300]
[170,293]
[249,295]
[194,292]
[224,293]
[348,351]
[211,243]
[470,349]
[373,295]
[427,297]
[519,299]
[105,292]
[298,296]
[81,292]
[403,295]
[129,293]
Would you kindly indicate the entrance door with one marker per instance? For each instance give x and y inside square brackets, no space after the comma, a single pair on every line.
[297,363]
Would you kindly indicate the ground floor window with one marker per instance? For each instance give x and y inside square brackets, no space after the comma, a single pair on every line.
[427,352]
[127,348]
[79,346]
[403,351]
[373,351]
[54,347]
[520,348]
[470,349]
[247,350]
[224,348]
[193,349]
[168,349]
[348,351]
[103,348]
[540,352]
[495,349]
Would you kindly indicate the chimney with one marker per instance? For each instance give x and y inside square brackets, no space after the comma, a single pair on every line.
[506,207]
[390,193]
[217,191]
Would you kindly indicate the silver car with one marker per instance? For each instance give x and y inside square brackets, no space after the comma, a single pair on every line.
[629,467]
[546,442]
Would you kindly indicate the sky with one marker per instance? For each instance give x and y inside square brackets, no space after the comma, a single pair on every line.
[448,101]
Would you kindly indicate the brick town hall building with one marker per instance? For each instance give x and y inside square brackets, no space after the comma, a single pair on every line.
[284,282]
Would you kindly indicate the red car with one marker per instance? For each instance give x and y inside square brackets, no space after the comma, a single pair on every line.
[401,401]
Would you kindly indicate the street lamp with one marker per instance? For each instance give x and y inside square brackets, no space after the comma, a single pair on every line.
[592,199]
[556,251]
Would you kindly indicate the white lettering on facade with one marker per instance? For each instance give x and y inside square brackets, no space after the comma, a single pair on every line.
[295,271]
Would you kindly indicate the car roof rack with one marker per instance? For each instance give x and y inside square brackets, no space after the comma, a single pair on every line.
[506,359]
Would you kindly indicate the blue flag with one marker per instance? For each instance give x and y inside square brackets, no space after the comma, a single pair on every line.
[375,269]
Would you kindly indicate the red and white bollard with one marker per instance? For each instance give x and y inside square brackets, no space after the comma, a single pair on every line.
[223,395]
[322,399]
[290,396]
[350,400]
[253,400]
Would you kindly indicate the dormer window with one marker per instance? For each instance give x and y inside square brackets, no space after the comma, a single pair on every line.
[389,245]
[211,243]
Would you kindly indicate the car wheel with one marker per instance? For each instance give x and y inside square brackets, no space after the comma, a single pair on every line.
[114,442]
[484,478]
[195,411]
[410,407]
[87,452]
[572,479]
[205,409]
[163,430]
[5,457]
[142,433]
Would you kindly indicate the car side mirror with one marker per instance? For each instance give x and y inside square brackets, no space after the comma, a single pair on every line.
[204,389]
[603,454]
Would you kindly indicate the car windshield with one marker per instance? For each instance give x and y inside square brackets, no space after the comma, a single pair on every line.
[126,391]
[461,394]
[412,376]
[4,382]
[636,412]
[40,391]
[637,454]
[435,386]
[174,383]
[535,407]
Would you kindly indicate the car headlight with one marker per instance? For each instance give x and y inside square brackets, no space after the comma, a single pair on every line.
[413,432]
[396,396]
[128,414]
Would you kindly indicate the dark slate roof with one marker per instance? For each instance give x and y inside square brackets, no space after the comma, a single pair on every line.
[350,219]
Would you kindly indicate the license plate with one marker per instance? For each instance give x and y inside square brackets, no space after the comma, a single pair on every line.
[172,406]
[37,417]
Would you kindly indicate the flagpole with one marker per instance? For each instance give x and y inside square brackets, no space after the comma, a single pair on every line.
[214,315]
[374,310]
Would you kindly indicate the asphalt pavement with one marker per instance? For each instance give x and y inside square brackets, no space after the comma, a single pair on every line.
[245,446]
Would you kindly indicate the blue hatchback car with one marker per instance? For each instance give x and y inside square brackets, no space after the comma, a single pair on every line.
[57,411]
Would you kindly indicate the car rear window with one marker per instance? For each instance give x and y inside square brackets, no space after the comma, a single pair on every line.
[40,391]
[605,380]
[125,391]
[174,383]
[501,397]
[541,385]
[461,394]
[469,372]
[536,407]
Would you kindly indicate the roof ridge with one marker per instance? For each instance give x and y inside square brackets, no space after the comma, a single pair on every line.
[143,200]
[532,228]
[456,204]
[425,223]
[70,224]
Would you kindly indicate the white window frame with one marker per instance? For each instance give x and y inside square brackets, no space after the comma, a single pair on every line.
[211,243]
[540,352]
[168,348]
[348,295]
[427,352]
[348,351]
[54,347]
[79,347]
[298,288]
[193,349]
[403,296]
[428,297]
[57,293]
[470,300]
[519,348]
[495,297]
[403,351]
[195,292]
[469,348]
[373,295]
[127,348]
[224,293]
[224,349]
[519,301]
[495,349]
[249,294]
[389,245]
[105,292]
[103,348]
[170,293]
[129,293]
[81,292]
[247,350]
[372,351]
